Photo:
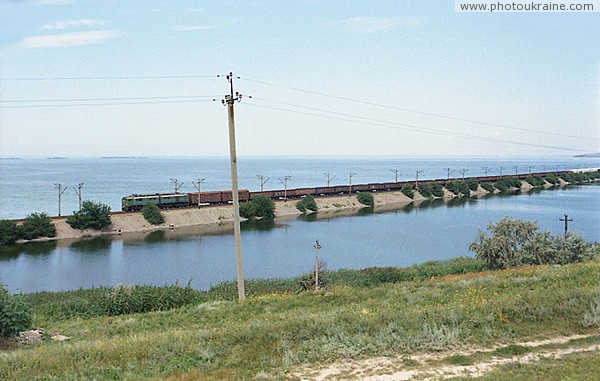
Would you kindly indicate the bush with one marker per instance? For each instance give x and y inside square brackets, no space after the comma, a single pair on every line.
[365,199]
[519,243]
[37,225]
[437,190]
[504,184]
[488,187]
[552,179]
[152,214]
[259,207]
[92,215]
[425,189]
[536,182]
[458,187]
[473,184]
[9,232]
[408,191]
[307,203]
[15,314]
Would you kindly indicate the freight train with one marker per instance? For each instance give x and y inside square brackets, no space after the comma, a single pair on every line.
[136,202]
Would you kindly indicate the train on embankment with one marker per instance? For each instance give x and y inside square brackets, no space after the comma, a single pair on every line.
[137,202]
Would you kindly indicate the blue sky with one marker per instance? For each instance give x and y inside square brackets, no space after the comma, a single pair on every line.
[380,78]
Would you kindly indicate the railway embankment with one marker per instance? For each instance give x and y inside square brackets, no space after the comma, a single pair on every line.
[219,219]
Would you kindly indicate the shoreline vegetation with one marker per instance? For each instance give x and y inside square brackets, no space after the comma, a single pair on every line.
[428,320]
[219,218]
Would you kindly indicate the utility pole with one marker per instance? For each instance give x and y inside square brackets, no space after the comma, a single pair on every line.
[329,178]
[417,178]
[78,191]
[566,220]
[317,247]
[462,172]
[284,182]
[229,101]
[197,184]
[486,169]
[262,182]
[396,174]
[60,192]
[500,169]
[449,172]
[177,185]
[352,174]
[516,170]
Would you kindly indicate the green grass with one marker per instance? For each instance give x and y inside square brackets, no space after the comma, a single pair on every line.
[272,333]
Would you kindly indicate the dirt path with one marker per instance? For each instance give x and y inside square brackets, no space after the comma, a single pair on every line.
[431,366]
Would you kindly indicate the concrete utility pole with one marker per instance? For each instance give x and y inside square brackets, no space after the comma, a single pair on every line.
[516,170]
[197,184]
[60,192]
[284,182]
[417,178]
[317,247]
[262,182]
[566,220]
[448,172]
[78,191]
[396,174]
[177,185]
[486,169]
[352,174]
[463,171]
[500,169]
[229,101]
[329,178]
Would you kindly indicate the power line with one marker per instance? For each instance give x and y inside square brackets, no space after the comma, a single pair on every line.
[442,116]
[409,127]
[105,99]
[109,78]
[109,104]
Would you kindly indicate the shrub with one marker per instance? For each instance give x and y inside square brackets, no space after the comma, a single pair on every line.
[437,190]
[152,214]
[307,203]
[505,183]
[473,184]
[458,187]
[261,207]
[425,189]
[535,181]
[519,243]
[37,225]
[408,191]
[92,215]
[552,179]
[9,232]
[488,187]
[365,199]
[15,314]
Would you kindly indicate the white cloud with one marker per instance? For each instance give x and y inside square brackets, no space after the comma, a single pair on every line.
[195,27]
[378,24]
[70,39]
[65,24]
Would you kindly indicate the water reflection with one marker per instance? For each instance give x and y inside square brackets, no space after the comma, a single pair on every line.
[92,245]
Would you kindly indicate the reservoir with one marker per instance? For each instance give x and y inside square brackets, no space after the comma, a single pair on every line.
[431,230]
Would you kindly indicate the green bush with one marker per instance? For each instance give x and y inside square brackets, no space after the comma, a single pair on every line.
[9,232]
[408,190]
[15,314]
[365,199]
[307,203]
[458,187]
[92,215]
[473,184]
[488,187]
[518,243]
[259,207]
[535,181]
[425,189]
[505,183]
[552,179]
[37,225]
[152,214]
[437,190]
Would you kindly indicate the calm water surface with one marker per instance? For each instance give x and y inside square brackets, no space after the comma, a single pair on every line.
[432,230]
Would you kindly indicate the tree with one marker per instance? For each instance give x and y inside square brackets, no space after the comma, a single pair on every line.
[261,207]
[37,225]
[92,215]
[408,191]
[15,314]
[307,203]
[152,214]
[9,232]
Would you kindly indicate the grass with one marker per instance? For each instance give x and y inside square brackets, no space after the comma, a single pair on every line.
[270,334]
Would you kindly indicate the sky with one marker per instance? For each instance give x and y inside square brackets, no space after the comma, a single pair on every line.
[82,78]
